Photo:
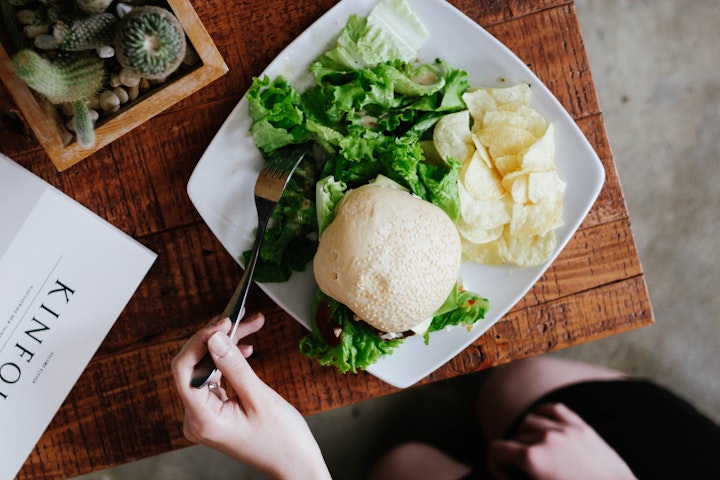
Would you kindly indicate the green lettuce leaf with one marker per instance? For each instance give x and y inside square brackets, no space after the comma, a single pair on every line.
[359,347]
[441,183]
[391,31]
[461,308]
[276,110]
[328,194]
[290,242]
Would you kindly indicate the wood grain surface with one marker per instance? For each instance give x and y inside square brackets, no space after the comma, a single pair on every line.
[124,407]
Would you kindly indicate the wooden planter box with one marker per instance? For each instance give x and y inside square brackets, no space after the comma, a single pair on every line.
[48,124]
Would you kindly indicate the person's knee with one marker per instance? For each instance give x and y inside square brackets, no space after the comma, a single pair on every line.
[509,389]
[396,461]
[409,452]
[417,460]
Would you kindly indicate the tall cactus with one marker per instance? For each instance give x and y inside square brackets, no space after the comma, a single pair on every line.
[86,33]
[76,77]
[84,127]
[151,41]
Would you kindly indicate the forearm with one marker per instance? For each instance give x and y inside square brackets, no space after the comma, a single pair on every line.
[307,465]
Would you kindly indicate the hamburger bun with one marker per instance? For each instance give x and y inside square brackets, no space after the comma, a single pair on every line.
[391,257]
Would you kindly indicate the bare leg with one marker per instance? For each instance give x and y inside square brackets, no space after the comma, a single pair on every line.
[417,461]
[511,388]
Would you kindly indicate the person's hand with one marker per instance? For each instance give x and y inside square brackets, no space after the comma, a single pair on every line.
[256,425]
[554,443]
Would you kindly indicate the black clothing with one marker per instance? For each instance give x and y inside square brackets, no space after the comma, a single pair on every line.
[658,434]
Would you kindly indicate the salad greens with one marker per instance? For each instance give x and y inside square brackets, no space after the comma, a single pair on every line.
[370,113]
[357,347]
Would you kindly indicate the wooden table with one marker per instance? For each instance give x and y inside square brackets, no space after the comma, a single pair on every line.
[124,407]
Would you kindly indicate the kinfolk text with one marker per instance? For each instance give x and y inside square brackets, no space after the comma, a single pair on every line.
[19,354]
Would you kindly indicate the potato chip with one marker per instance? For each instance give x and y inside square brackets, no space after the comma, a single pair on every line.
[505,140]
[544,186]
[499,118]
[480,180]
[452,136]
[481,150]
[490,253]
[484,213]
[533,122]
[511,196]
[517,184]
[477,234]
[507,164]
[535,219]
[478,102]
[511,98]
[540,156]
[530,251]
[525,117]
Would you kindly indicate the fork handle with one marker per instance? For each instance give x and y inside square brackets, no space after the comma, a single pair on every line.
[237,301]
[205,368]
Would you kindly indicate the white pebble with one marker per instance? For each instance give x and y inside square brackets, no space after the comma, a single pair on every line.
[144,85]
[121,94]
[129,77]
[25,16]
[93,102]
[66,136]
[32,31]
[45,42]
[105,51]
[93,6]
[123,9]
[115,80]
[70,123]
[109,102]
[133,92]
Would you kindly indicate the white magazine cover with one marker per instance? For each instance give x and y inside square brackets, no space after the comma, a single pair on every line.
[65,276]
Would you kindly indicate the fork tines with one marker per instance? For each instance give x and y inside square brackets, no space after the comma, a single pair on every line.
[285,160]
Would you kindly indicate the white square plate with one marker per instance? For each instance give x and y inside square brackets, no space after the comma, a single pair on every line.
[221,186]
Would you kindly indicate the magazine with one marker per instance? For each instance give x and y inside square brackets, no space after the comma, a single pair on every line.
[65,276]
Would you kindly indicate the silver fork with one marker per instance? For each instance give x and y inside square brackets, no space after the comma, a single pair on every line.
[269,187]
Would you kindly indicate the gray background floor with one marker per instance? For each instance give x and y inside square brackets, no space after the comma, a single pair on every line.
[656,65]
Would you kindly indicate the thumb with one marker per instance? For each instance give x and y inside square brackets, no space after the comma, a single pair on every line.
[231,362]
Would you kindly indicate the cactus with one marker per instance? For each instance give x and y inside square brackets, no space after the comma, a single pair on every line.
[48,13]
[85,34]
[151,41]
[93,6]
[76,77]
[84,128]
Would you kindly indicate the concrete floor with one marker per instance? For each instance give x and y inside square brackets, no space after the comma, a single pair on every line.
[656,66]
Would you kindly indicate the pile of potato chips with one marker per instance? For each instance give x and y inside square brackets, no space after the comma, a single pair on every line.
[511,196]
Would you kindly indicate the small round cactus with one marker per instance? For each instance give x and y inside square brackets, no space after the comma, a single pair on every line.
[93,6]
[151,41]
[75,77]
